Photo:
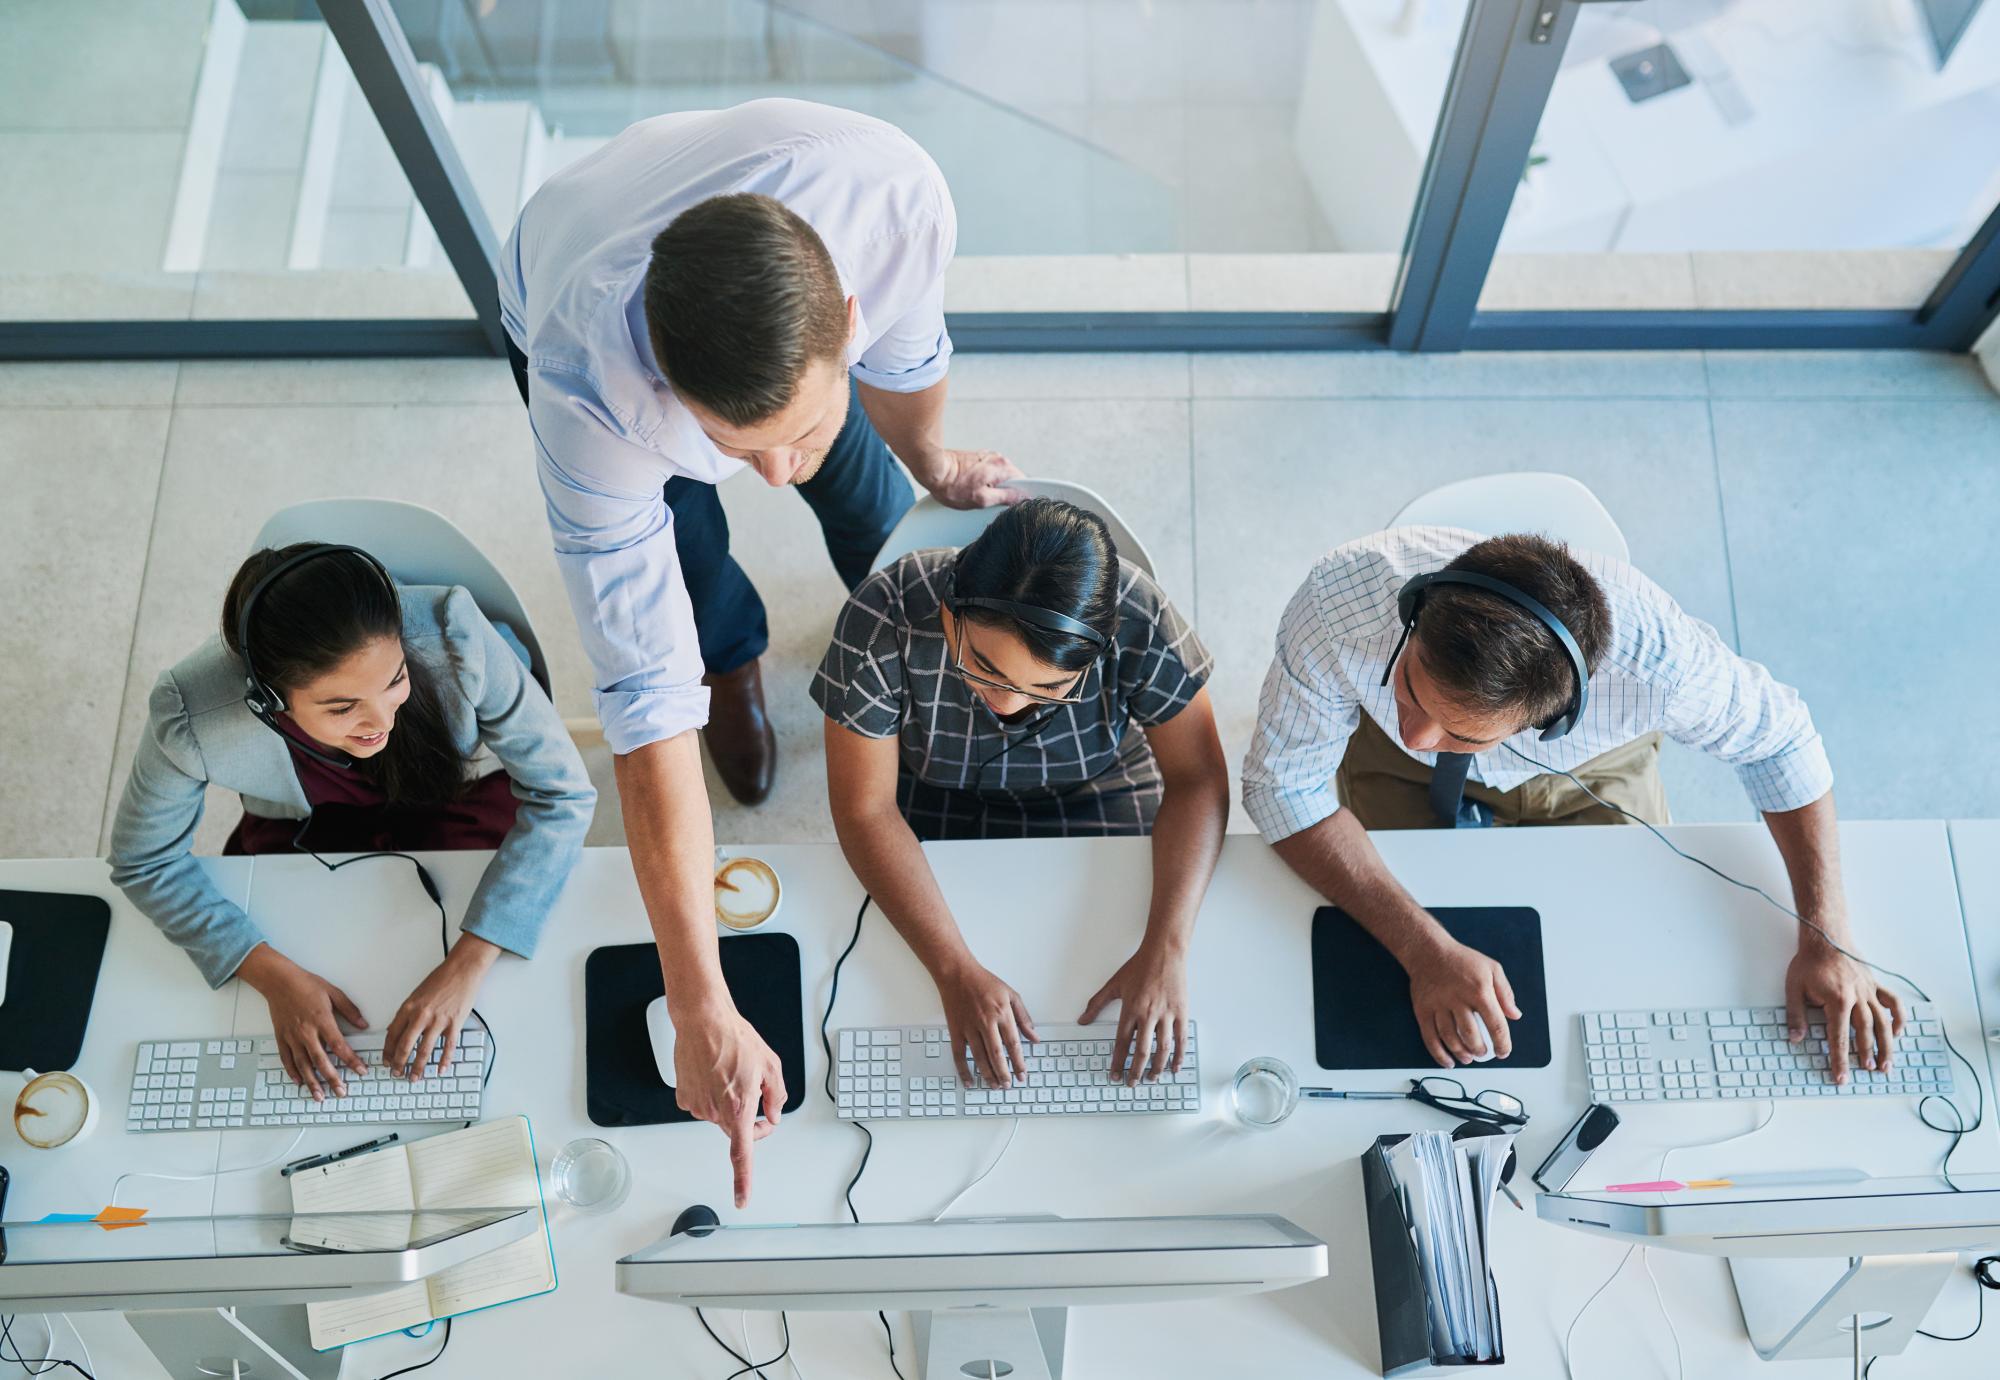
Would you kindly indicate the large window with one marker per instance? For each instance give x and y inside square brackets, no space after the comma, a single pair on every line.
[335,176]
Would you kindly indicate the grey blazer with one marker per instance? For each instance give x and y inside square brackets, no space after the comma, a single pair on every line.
[200,733]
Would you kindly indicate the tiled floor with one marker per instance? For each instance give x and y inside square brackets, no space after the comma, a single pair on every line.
[1830,511]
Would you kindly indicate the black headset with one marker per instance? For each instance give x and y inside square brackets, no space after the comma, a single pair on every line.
[1048,620]
[263,699]
[1410,603]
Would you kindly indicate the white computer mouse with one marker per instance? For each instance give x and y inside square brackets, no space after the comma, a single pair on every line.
[1485,1035]
[6,953]
[660,1028]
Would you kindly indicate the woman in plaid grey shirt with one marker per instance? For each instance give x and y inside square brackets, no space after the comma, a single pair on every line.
[1028,685]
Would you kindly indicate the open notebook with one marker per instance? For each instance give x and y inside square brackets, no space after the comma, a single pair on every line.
[488,1165]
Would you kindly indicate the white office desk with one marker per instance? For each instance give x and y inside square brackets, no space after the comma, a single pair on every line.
[1624,922]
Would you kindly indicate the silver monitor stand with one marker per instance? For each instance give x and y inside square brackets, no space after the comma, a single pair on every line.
[1019,1343]
[270,1342]
[1798,1310]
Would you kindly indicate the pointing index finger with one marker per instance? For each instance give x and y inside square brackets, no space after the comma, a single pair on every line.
[741,1138]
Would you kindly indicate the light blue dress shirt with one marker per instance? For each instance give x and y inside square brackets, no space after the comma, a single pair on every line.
[609,432]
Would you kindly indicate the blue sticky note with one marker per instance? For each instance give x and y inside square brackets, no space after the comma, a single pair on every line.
[70,1217]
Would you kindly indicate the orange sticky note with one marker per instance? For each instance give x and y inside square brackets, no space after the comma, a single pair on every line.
[115,1218]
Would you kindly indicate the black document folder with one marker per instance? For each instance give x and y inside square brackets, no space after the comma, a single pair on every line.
[1400,1309]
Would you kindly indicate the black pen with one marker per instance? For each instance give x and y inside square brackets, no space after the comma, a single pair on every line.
[318,1161]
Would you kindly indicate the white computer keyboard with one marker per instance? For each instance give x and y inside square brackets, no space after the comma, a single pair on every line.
[907,1072]
[1738,1052]
[238,1081]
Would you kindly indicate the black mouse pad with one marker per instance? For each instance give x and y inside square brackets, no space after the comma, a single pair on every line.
[1361,996]
[622,1084]
[51,977]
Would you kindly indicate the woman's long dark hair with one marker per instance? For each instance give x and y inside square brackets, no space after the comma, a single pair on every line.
[317,615]
[1049,555]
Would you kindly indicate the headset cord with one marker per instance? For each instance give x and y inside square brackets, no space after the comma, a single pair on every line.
[1959,1130]
[431,890]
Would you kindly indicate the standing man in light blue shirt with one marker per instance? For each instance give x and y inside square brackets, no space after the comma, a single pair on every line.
[757,287]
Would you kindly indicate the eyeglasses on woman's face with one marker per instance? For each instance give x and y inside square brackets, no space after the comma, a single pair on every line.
[1054,693]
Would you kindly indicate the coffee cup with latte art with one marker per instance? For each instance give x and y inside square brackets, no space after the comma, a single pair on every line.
[54,1110]
[746,893]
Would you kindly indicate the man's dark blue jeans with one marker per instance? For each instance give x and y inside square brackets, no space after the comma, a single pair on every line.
[859,495]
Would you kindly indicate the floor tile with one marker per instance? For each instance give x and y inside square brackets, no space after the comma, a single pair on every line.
[1493,374]
[1850,280]
[1278,483]
[230,468]
[60,184]
[1588,282]
[1068,376]
[139,383]
[1067,282]
[1861,537]
[80,485]
[1846,374]
[105,64]
[320,382]
[1291,282]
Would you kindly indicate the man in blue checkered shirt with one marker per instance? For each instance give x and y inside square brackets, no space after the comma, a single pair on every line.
[1356,726]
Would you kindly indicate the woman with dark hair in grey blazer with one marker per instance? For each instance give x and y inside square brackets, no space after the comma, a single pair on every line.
[389,706]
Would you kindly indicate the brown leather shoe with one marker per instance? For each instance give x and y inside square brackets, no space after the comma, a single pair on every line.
[739,737]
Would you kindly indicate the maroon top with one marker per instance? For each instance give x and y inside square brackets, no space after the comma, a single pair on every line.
[350,814]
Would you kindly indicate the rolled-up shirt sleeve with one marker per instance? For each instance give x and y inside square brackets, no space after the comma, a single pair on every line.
[914,350]
[1305,716]
[1735,710]
[614,541]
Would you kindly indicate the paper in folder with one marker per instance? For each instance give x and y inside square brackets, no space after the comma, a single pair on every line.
[1430,1210]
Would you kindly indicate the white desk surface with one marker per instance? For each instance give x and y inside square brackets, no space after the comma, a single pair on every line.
[1624,923]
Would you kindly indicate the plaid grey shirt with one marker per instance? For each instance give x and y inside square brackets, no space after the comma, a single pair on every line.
[1082,768]
[1664,671]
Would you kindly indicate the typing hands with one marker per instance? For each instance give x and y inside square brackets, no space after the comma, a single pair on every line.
[987,1015]
[1448,987]
[437,1008]
[1857,1007]
[303,1005]
[1151,992]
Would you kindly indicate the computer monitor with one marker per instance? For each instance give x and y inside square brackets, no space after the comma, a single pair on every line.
[206,1293]
[1946,22]
[989,1293]
[1812,1264]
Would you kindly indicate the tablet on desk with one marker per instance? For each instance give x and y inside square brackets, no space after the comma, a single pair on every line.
[1361,995]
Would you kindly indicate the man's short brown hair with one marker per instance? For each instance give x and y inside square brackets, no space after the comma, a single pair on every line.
[741,296]
[1493,657]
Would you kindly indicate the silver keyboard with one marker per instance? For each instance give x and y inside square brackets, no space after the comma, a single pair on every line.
[239,1081]
[886,1072]
[1739,1052]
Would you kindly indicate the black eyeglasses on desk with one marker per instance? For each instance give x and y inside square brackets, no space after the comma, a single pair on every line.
[1447,1095]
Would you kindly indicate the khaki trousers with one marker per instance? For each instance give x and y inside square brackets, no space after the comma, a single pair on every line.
[1388,789]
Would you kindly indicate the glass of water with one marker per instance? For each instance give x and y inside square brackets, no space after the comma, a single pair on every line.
[591,1175]
[1264,1093]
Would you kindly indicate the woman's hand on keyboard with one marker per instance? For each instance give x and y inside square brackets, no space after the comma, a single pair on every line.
[987,1015]
[437,1009]
[1151,992]
[303,1004]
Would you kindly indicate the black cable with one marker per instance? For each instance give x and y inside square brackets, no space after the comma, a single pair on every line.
[431,890]
[1958,1131]
[784,1320]
[47,1363]
[867,1136]
[434,1355]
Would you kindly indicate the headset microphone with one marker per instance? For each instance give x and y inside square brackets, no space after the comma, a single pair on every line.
[263,699]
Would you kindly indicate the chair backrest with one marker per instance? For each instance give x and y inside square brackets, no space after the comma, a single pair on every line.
[929,523]
[1554,505]
[419,547]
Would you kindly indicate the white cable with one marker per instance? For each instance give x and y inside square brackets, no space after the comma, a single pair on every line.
[48,1348]
[88,1364]
[1013,1128]
[212,1174]
[1770,1115]
[743,1328]
[1646,1262]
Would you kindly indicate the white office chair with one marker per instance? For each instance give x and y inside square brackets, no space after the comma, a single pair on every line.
[417,546]
[1554,505]
[929,523]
